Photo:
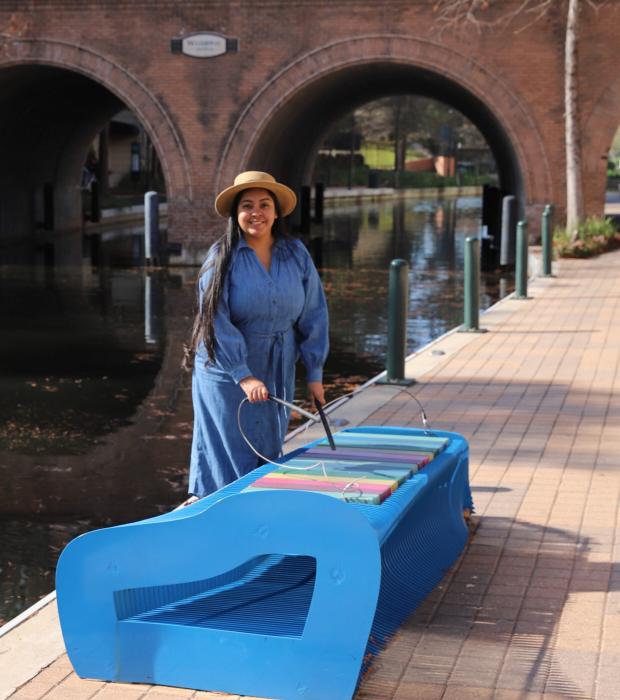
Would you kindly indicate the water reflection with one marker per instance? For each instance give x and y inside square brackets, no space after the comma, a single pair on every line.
[96,423]
[95,426]
[78,356]
[357,245]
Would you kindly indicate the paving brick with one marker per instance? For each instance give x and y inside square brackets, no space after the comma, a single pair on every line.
[120,691]
[169,692]
[468,692]
[419,691]
[504,694]
[33,690]
[53,674]
[73,683]
[64,692]
[532,610]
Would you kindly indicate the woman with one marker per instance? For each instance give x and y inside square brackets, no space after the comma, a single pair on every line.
[261,305]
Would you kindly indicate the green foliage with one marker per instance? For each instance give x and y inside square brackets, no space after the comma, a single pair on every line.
[595,235]
[333,171]
[415,127]
[380,154]
[414,180]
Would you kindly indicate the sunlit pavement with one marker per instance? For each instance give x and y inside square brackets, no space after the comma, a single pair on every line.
[532,608]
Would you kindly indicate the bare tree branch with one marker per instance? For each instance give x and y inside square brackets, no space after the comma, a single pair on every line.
[456,13]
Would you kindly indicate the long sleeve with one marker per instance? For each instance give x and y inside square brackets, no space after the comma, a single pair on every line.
[313,324]
[230,347]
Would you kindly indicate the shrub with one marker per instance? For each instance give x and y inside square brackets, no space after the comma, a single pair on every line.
[594,235]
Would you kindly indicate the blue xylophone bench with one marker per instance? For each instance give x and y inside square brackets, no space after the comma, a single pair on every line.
[270,592]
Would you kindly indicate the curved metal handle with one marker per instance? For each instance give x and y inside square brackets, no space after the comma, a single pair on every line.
[309,415]
[293,407]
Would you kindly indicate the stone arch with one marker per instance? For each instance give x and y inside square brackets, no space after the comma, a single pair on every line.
[481,95]
[127,87]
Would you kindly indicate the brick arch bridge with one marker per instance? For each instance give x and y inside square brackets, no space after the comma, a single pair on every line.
[301,65]
[323,86]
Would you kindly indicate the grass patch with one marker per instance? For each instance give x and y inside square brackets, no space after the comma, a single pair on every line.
[380,155]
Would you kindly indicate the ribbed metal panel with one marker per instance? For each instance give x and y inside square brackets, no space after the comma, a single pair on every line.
[272,597]
[133,601]
[420,539]
[248,630]
[423,545]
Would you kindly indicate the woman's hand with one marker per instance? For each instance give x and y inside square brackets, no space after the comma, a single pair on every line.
[316,393]
[254,389]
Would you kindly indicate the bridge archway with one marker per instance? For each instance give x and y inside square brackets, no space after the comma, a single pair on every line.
[54,100]
[282,127]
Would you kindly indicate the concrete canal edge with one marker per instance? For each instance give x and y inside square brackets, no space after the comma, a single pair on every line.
[29,643]
[33,640]
[357,195]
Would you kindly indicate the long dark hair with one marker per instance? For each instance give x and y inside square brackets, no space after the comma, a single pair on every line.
[203,330]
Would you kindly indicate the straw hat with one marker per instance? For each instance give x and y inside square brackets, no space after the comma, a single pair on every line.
[255,179]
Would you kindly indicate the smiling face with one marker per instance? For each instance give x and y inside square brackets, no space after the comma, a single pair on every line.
[256,213]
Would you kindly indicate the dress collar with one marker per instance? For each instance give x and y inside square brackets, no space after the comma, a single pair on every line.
[277,244]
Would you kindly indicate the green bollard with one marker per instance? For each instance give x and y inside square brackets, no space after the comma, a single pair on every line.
[471,287]
[521,262]
[472,284]
[547,240]
[398,298]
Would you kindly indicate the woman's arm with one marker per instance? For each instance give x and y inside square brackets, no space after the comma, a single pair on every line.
[313,326]
[230,347]
[316,392]
[254,389]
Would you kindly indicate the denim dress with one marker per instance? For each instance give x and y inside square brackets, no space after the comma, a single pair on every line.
[265,321]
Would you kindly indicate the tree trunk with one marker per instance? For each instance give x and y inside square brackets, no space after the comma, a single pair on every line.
[574,194]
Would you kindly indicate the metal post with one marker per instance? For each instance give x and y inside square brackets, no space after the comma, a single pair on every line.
[48,206]
[304,209]
[151,226]
[319,199]
[491,210]
[507,243]
[547,240]
[472,284]
[521,266]
[398,298]
[316,249]
[95,202]
[148,310]
[152,307]
[471,296]
[487,250]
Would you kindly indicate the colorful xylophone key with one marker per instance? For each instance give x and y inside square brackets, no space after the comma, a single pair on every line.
[365,468]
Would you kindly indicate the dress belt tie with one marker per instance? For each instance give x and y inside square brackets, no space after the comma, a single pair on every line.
[277,348]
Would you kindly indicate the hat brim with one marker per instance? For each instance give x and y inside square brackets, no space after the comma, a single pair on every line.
[285,196]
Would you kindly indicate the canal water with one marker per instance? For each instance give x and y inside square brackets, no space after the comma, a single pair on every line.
[95,421]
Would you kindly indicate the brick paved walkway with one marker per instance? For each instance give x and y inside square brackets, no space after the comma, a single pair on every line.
[532,608]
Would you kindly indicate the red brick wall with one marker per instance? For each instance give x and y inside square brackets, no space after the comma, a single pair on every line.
[209,118]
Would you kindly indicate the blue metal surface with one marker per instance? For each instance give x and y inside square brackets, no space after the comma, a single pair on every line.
[293,592]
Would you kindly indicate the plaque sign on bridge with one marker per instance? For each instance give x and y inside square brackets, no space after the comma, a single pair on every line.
[204,45]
